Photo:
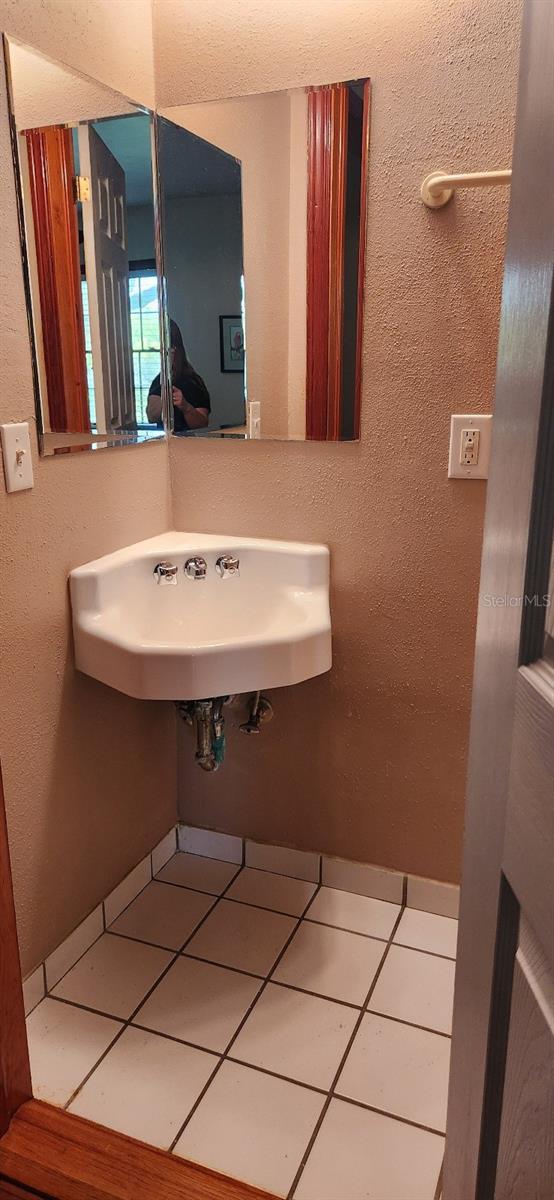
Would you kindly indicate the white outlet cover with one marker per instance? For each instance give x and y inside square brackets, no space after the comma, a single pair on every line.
[16,450]
[480,469]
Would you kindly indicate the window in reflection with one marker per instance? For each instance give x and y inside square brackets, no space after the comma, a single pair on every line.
[145,341]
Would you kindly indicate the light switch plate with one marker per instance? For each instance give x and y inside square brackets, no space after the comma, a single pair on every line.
[462,425]
[16,451]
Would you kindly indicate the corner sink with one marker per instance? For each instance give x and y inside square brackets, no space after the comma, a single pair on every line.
[168,635]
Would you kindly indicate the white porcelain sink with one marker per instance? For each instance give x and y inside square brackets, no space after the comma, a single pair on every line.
[266,625]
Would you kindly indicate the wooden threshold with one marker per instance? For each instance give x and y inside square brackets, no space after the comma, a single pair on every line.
[54,1155]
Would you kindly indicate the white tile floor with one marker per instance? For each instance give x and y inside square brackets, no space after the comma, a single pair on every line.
[290,1035]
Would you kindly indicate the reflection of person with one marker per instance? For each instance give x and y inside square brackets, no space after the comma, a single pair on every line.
[191,398]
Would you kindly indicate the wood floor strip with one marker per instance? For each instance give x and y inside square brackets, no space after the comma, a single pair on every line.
[69,1158]
[15,1075]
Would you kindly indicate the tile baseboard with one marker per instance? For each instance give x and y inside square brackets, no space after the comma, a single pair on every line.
[298,864]
[210,844]
[430,895]
[34,989]
[363,879]
[48,973]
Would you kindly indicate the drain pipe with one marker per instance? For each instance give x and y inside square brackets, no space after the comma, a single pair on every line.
[208,717]
[210,729]
[205,756]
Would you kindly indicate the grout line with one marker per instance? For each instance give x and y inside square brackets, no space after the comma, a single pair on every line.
[227,1055]
[76,1090]
[280,912]
[404,891]
[309,1087]
[383,1112]
[130,937]
[238,1029]
[239,867]
[338,1072]
[241,1062]
[77,960]
[432,953]
[296,987]
[169,1037]
[135,897]
[185,887]
[373,937]
[413,1025]
[98,1012]
[146,997]
[223,966]
[233,900]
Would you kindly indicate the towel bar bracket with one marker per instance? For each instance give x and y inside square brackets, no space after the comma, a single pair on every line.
[438,188]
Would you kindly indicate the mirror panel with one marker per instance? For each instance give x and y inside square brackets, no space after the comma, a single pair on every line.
[89,232]
[263,229]
[201,213]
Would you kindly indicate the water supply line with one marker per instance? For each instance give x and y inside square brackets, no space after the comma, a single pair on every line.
[260,711]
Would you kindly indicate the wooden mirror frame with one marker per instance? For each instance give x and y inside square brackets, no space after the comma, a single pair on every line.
[328,119]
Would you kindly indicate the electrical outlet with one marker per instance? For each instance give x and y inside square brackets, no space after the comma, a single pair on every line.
[469,448]
[470,442]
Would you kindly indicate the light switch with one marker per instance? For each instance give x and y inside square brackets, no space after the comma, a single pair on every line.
[16,450]
[470,446]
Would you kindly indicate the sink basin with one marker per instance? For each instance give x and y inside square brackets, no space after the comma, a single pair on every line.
[264,626]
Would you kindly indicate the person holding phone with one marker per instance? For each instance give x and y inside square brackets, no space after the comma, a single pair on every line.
[191,398]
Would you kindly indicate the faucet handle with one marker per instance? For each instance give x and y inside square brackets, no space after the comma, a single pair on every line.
[227,565]
[195,567]
[165,573]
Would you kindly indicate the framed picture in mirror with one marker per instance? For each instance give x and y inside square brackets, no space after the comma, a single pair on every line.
[231,343]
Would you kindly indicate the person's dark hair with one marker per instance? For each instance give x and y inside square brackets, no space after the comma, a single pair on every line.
[181,363]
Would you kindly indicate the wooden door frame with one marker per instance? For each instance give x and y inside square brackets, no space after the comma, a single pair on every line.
[524,395]
[51,175]
[60,1156]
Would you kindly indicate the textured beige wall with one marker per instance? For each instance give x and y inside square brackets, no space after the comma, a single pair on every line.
[89,775]
[110,40]
[369,760]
